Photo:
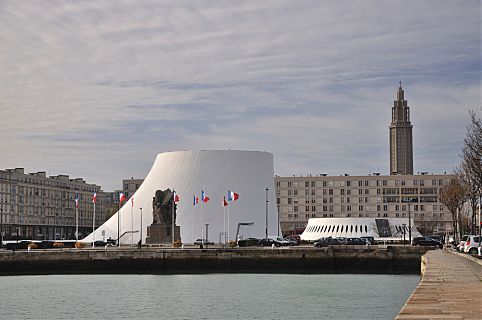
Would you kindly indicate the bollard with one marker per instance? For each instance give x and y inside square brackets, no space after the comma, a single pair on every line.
[272,246]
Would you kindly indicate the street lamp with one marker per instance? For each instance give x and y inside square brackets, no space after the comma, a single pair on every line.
[408,201]
[404,226]
[266,213]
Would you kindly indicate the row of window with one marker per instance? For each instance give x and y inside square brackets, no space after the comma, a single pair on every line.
[362,183]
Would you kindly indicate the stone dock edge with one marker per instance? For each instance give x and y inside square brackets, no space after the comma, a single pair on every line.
[389,260]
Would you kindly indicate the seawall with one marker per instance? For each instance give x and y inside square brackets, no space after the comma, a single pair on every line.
[346,259]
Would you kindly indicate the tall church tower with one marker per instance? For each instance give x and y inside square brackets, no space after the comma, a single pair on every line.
[401,146]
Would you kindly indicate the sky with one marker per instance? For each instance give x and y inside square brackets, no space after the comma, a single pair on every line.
[96,89]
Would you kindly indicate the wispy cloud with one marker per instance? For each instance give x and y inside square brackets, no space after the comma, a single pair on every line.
[97,89]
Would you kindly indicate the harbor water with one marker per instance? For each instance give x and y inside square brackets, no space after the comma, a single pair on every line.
[205,296]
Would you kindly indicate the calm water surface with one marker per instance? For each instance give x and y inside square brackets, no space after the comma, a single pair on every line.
[206,296]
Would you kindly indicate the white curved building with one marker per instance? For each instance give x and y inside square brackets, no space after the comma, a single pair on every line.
[387,229]
[247,173]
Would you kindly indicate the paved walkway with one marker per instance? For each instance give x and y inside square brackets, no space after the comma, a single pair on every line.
[451,288]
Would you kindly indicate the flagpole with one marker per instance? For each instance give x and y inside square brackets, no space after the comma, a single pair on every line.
[202,220]
[76,222]
[132,222]
[224,222]
[93,228]
[118,225]
[228,224]
[193,219]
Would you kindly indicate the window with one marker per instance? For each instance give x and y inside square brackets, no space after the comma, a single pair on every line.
[295,208]
[385,207]
[360,208]
[330,200]
[313,208]
[324,183]
[312,192]
[307,184]
[330,192]
[295,192]
[379,207]
[342,192]
[360,191]
[313,184]
[348,192]
[290,200]
[289,184]
[307,208]
[348,183]
[367,191]
[289,192]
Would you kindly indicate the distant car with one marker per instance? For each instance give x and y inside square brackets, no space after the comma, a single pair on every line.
[295,237]
[426,241]
[248,242]
[203,241]
[472,245]
[461,245]
[281,241]
[342,240]
[112,241]
[292,242]
[356,242]
[371,240]
[325,242]
[268,242]
[100,243]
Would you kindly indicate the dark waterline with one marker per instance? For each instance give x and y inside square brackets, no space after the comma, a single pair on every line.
[206,296]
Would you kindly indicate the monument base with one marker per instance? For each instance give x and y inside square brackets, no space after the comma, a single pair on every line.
[161,233]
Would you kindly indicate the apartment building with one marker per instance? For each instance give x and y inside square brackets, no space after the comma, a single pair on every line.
[37,206]
[300,198]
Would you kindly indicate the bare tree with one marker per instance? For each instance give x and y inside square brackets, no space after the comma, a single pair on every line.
[471,167]
[453,197]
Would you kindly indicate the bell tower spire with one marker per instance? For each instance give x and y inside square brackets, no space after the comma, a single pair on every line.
[401,147]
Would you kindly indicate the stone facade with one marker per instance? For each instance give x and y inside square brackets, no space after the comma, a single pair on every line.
[36,206]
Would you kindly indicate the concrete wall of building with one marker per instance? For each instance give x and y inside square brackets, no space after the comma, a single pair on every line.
[375,196]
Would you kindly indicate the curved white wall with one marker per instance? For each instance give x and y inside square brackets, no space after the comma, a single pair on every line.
[247,173]
[355,227]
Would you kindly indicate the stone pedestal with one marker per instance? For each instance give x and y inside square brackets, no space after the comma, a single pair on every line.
[161,233]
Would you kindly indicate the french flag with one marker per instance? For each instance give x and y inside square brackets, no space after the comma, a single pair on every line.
[77,200]
[122,197]
[232,196]
[175,196]
[225,203]
[195,200]
[94,197]
[204,198]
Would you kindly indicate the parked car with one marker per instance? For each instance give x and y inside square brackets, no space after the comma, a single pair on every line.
[281,241]
[426,241]
[292,242]
[295,237]
[100,243]
[248,242]
[371,240]
[472,245]
[461,245]
[356,242]
[268,242]
[203,241]
[325,242]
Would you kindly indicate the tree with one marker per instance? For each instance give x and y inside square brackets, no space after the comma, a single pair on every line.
[453,196]
[471,166]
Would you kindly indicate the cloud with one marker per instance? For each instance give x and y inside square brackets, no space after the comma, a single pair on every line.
[108,85]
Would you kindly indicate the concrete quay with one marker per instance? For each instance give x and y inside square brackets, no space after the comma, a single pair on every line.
[337,259]
[450,288]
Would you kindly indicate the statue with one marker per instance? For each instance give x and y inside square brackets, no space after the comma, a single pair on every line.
[162,229]
[162,204]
